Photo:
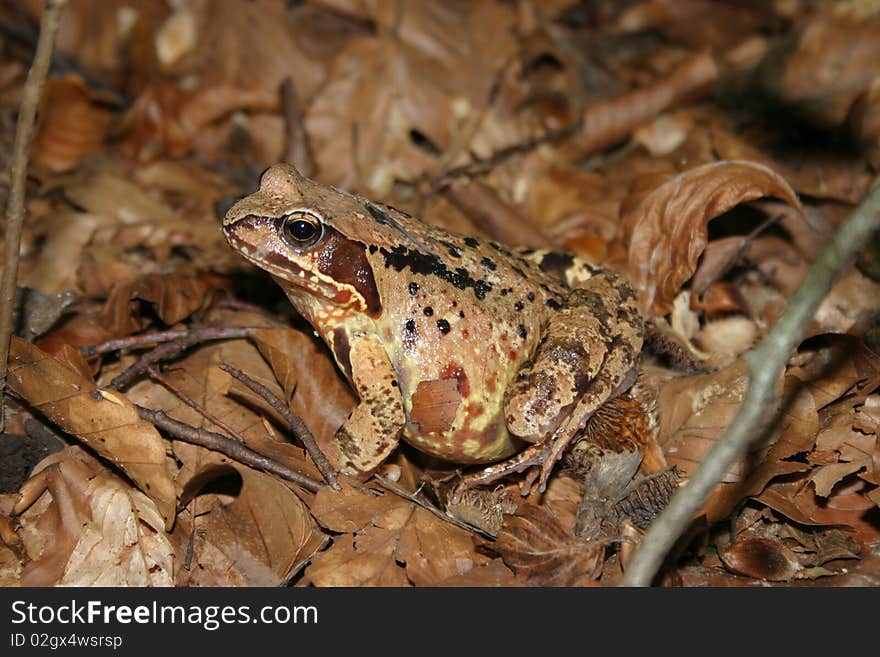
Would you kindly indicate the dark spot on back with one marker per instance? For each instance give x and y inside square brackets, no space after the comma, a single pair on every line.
[428,311]
[519,271]
[426,264]
[443,325]
[472,242]
[519,305]
[410,326]
[378,214]
[522,331]
[453,250]
[556,263]
[554,304]
[488,264]
[481,288]
[413,288]
[530,296]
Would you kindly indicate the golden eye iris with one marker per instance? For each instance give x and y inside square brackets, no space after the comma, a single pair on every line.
[301,229]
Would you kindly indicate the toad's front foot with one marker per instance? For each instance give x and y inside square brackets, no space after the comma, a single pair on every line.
[538,459]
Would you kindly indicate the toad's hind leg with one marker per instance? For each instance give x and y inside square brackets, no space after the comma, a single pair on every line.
[588,355]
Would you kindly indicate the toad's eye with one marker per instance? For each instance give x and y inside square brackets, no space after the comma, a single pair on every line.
[301,229]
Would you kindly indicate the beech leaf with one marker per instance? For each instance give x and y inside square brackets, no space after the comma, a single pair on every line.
[666,233]
[105,421]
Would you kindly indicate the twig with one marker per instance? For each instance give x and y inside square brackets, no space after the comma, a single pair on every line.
[296,151]
[30,100]
[765,365]
[430,507]
[193,404]
[480,166]
[231,448]
[159,337]
[171,349]
[300,430]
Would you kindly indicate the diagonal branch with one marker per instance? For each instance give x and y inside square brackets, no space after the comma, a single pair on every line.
[765,364]
[30,100]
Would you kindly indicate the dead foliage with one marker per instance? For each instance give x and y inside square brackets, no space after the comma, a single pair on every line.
[705,149]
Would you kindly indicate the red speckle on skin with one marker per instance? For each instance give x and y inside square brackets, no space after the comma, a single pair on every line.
[464,333]
[455,371]
[474,410]
[490,382]
[511,354]
[503,337]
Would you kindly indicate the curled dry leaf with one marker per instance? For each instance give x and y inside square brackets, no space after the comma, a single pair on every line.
[105,421]
[262,537]
[71,124]
[92,529]
[662,238]
[541,553]
[174,296]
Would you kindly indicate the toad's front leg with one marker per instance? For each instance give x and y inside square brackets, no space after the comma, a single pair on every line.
[372,431]
[588,355]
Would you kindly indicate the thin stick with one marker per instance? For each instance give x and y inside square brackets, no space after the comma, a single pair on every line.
[171,349]
[232,448]
[765,364]
[159,337]
[300,430]
[30,100]
[430,507]
[193,404]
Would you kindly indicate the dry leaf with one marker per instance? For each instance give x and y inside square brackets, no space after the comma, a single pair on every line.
[396,543]
[423,77]
[303,367]
[350,509]
[541,553]
[494,573]
[665,234]
[71,124]
[365,558]
[262,537]
[174,296]
[112,428]
[199,376]
[434,550]
[761,558]
[92,529]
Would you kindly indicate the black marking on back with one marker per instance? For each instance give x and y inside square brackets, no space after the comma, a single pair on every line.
[555,263]
[379,215]
[401,257]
